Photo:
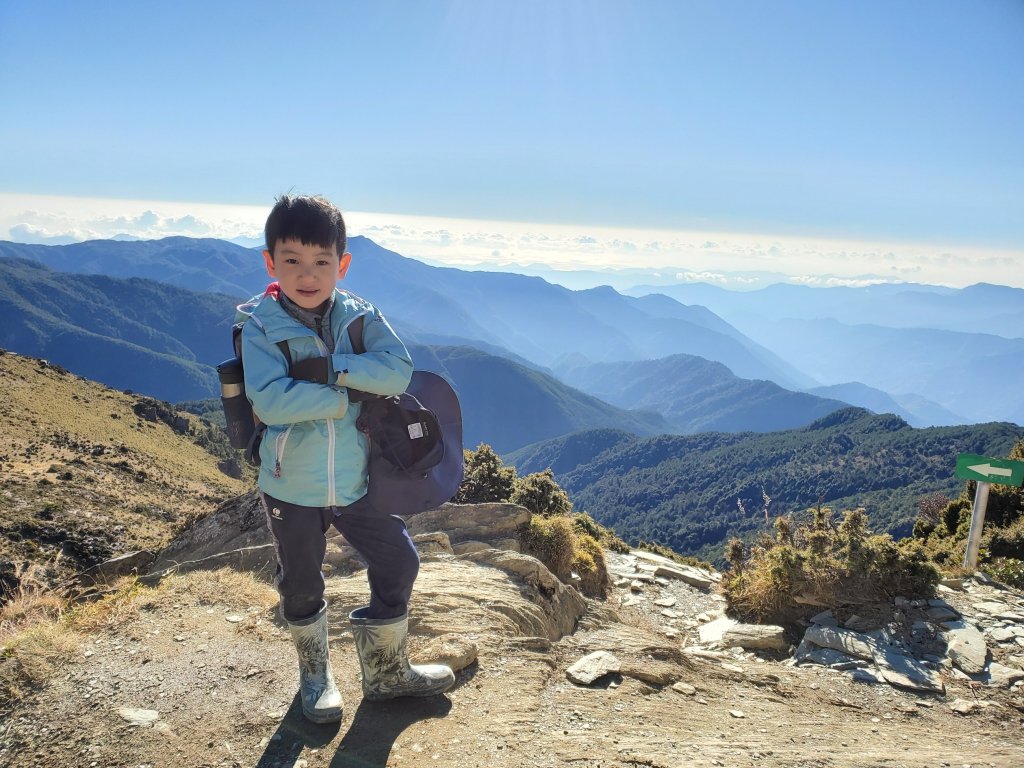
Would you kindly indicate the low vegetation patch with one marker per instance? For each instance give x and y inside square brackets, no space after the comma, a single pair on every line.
[569,543]
[806,567]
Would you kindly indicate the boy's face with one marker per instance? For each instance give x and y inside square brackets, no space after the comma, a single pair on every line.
[307,273]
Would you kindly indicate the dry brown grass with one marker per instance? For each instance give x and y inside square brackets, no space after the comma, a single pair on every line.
[224,586]
[31,604]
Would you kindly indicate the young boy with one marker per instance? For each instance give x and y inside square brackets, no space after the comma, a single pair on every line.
[314,459]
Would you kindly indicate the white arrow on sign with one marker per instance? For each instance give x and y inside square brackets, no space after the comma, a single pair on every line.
[988,469]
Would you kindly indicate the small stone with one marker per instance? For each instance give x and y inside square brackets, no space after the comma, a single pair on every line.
[593,666]
[684,688]
[962,707]
[139,717]
[234,618]
[737,713]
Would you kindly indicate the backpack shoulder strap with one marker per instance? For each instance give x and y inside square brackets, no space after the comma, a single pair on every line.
[283,346]
[355,335]
[236,343]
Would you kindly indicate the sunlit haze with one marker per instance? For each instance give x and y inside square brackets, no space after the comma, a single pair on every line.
[732,142]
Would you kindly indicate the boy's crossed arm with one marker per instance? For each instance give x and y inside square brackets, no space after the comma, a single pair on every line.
[276,397]
[385,368]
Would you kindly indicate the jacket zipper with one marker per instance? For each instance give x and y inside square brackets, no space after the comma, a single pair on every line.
[279,446]
[331,490]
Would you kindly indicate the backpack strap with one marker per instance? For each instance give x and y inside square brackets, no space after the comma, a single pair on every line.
[355,335]
[283,346]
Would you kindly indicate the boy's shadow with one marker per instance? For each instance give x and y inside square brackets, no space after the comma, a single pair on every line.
[377,724]
[375,728]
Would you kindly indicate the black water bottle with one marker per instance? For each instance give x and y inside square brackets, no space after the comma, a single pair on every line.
[237,408]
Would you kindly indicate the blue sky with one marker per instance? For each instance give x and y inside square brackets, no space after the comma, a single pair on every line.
[896,124]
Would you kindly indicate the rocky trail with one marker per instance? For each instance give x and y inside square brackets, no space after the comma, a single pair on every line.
[198,671]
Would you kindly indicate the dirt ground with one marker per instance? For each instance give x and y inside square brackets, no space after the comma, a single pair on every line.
[207,654]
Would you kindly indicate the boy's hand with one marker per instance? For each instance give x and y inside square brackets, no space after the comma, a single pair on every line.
[314,369]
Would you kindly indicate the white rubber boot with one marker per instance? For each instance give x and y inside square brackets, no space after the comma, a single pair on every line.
[321,699]
[384,660]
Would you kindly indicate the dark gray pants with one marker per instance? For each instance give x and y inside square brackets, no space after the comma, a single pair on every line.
[382,541]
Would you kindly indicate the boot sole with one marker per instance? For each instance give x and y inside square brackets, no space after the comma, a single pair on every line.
[323,719]
[410,694]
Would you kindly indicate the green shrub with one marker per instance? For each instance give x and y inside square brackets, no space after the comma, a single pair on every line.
[487,479]
[540,494]
[1008,570]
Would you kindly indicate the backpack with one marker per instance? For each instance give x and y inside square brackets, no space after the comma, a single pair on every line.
[415,460]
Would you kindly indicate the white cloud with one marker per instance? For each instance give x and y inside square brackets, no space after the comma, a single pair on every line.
[710,255]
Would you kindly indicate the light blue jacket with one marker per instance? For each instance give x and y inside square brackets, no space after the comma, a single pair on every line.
[312,453]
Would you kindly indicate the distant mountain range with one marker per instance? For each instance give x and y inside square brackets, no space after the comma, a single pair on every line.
[164,341]
[944,355]
[697,395]
[694,492]
[979,308]
[525,315]
[646,352]
[977,376]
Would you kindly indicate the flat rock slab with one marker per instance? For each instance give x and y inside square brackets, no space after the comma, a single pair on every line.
[691,576]
[767,637]
[906,672]
[809,653]
[999,610]
[713,631]
[965,647]
[844,640]
[1002,676]
[1006,634]
[592,666]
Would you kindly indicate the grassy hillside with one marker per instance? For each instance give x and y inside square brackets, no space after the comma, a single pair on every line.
[87,472]
[686,491]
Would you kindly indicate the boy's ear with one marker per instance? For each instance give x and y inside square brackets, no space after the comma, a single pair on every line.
[346,259]
[269,260]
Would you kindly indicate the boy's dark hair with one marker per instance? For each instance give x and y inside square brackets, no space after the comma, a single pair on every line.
[312,220]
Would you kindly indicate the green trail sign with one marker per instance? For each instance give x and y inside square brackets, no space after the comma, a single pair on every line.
[984,469]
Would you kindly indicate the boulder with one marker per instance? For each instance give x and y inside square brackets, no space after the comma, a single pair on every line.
[433,543]
[238,523]
[714,631]
[563,605]
[489,523]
